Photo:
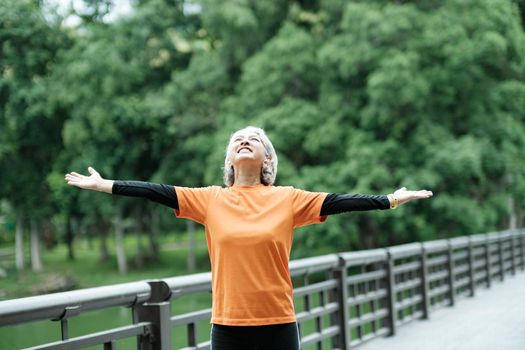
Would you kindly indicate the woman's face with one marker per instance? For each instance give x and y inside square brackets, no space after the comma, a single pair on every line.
[246,146]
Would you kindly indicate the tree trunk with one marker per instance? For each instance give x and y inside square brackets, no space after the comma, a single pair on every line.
[513,217]
[69,238]
[191,245]
[520,217]
[139,259]
[83,231]
[367,234]
[36,261]
[119,244]
[19,243]
[153,234]
[102,229]
[139,227]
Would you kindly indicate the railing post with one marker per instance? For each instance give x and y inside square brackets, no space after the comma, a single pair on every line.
[501,257]
[391,288]
[110,345]
[522,249]
[513,252]
[69,311]
[157,311]
[341,297]
[471,269]
[451,274]
[424,283]
[487,260]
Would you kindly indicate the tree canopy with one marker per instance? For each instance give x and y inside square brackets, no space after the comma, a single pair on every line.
[357,97]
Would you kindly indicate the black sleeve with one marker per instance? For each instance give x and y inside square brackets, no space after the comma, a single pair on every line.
[163,194]
[339,203]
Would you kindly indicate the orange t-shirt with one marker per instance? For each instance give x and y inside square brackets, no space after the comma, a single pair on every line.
[249,231]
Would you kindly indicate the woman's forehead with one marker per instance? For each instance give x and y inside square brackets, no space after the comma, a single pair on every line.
[245,133]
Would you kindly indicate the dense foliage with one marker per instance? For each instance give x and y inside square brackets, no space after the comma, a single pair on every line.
[357,97]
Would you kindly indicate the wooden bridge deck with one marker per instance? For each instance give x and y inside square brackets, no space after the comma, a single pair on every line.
[493,320]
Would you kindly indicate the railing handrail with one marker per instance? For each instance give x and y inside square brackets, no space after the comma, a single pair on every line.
[53,306]
[363,257]
[313,264]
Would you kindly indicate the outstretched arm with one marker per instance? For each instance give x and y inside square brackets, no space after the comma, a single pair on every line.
[163,194]
[340,203]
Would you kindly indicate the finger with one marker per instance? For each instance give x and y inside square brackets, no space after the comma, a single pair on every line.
[92,171]
[75,178]
[424,194]
[76,174]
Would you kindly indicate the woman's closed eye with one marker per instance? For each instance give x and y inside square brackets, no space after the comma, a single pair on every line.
[252,138]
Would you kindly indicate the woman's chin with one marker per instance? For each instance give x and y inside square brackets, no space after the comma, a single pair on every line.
[245,157]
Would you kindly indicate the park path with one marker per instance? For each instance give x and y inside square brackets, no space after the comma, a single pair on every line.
[493,320]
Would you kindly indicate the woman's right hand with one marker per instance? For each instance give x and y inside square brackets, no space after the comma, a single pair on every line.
[92,182]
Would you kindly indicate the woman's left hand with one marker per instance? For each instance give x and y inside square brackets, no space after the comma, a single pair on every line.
[403,195]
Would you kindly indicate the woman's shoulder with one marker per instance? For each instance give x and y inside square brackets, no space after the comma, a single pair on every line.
[200,188]
[283,189]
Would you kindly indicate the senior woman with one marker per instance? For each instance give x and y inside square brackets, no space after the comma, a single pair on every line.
[249,229]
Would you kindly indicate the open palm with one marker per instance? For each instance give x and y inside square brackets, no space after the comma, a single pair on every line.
[403,195]
[86,182]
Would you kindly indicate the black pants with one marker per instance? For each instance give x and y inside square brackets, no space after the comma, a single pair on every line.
[271,337]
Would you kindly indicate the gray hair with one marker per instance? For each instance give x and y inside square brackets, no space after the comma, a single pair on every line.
[268,170]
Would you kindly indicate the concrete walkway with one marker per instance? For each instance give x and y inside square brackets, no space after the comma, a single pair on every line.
[493,320]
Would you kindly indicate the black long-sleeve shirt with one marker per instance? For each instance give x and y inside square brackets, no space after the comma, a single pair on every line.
[333,204]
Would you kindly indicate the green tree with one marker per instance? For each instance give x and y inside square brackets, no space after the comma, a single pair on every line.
[360,96]
[121,121]
[30,137]
[389,94]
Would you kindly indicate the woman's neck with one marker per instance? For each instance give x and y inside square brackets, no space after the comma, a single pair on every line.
[247,176]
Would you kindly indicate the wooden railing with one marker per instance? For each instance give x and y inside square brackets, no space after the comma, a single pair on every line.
[341,300]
